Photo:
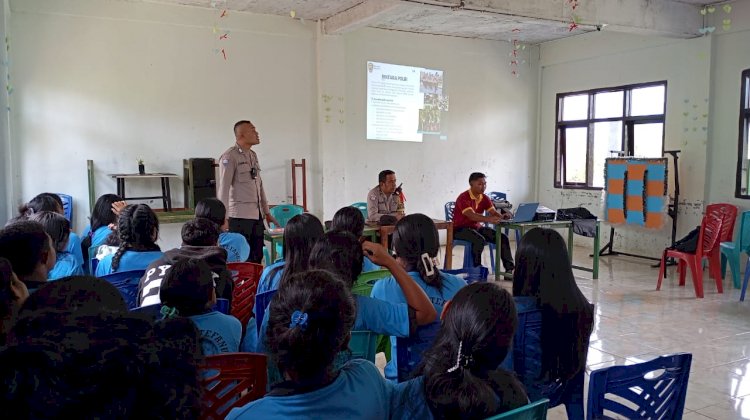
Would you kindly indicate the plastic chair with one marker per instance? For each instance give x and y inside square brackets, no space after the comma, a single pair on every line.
[744,283]
[525,359]
[361,207]
[652,390]
[67,206]
[127,283]
[362,345]
[93,262]
[284,212]
[533,411]
[409,349]
[728,214]
[366,281]
[262,300]
[472,274]
[731,250]
[468,260]
[232,380]
[245,276]
[708,239]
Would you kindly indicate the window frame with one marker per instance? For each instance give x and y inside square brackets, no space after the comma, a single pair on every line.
[744,120]
[627,135]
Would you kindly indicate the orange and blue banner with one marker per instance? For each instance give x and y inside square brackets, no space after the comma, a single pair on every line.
[636,191]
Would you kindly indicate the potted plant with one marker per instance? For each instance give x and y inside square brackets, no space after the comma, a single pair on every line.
[141,168]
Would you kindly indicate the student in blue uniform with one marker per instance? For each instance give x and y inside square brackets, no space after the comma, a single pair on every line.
[52,202]
[58,229]
[137,229]
[12,295]
[310,320]
[30,252]
[416,243]
[236,245]
[545,275]
[300,235]
[350,219]
[341,253]
[460,378]
[104,214]
[188,290]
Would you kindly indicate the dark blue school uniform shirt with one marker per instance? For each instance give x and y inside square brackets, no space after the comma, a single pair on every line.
[359,392]
[388,290]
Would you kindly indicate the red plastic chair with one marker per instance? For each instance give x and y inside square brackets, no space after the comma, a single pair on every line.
[708,241]
[245,276]
[232,380]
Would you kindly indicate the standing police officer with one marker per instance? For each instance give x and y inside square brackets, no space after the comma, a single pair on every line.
[241,189]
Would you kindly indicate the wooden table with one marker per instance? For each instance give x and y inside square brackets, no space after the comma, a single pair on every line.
[555,224]
[166,194]
[385,231]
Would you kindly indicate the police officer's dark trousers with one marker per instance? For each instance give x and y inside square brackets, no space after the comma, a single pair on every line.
[252,230]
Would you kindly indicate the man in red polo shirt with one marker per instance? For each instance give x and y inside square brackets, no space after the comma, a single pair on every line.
[468,216]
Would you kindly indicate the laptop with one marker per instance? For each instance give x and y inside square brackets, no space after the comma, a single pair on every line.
[525,213]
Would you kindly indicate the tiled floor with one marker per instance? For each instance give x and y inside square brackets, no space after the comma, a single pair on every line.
[634,323]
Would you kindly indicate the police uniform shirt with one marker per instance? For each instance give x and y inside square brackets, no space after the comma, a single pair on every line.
[380,204]
[241,193]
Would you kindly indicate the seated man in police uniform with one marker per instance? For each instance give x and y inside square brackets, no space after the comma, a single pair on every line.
[381,200]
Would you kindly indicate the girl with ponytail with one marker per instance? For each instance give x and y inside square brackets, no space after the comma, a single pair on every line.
[416,243]
[460,378]
[138,230]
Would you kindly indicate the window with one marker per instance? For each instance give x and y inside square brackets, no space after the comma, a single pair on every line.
[596,124]
[743,159]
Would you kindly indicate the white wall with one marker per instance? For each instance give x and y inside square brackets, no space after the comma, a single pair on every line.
[730,57]
[602,59]
[490,126]
[112,81]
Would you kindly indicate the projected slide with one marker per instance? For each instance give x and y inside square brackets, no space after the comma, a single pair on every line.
[403,102]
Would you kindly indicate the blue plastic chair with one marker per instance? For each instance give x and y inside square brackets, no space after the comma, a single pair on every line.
[471,274]
[361,207]
[533,411]
[262,300]
[657,389]
[67,206]
[468,260]
[409,349]
[730,251]
[524,358]
[496,195]
[127,283]
[284,212]
[362,345]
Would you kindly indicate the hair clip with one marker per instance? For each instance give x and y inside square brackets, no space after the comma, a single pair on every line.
[429,265]
[458,358]
[168,312]
[299,319]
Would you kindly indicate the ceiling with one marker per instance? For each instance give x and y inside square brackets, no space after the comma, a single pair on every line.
[528,21]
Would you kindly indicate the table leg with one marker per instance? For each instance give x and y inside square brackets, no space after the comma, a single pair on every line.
[169,194]
[497,251]
[273,251]
[449,246]
[596,252]
[570,242]
[121,187]
[164,194]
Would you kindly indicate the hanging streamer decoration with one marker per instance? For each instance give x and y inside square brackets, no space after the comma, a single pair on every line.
[221,36]
[574,19]
[516,58]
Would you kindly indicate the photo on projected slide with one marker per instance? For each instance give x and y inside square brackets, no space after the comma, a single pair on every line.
[431,81]
[431,99]
[429,121]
